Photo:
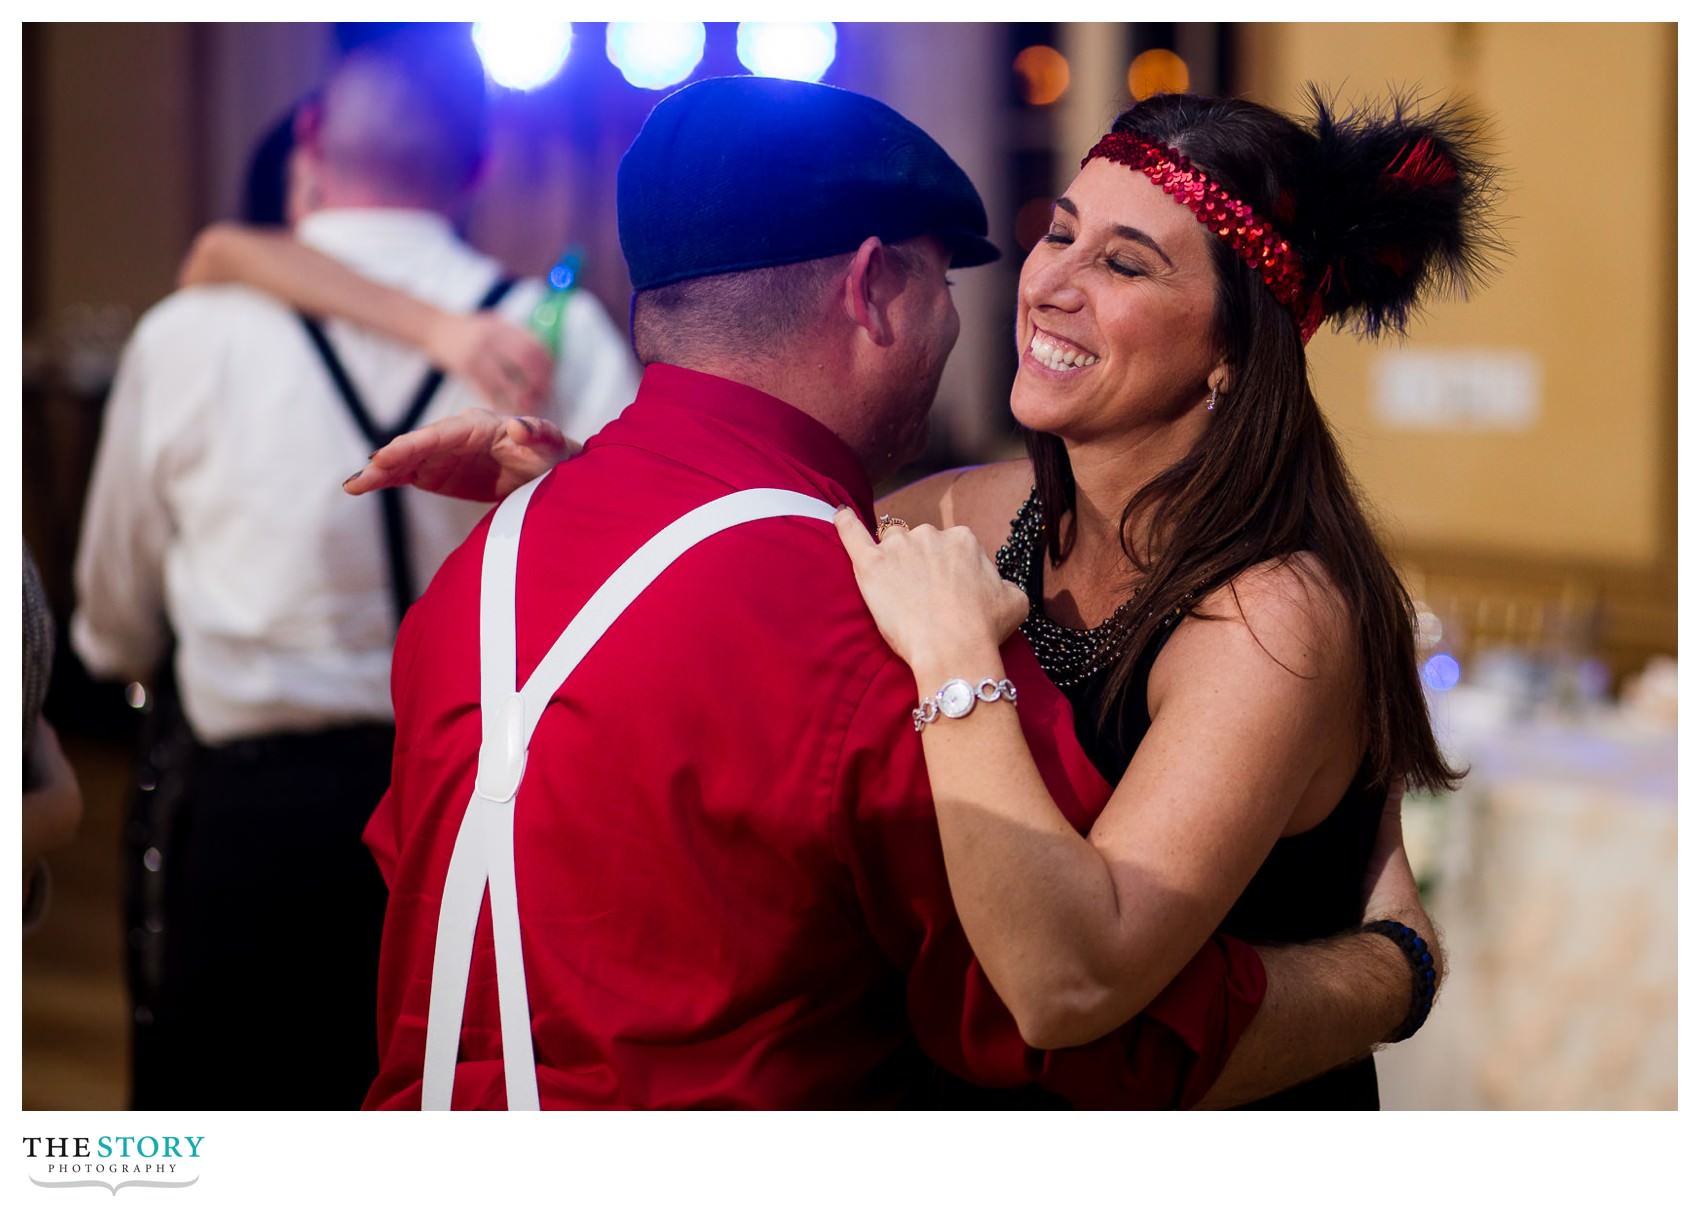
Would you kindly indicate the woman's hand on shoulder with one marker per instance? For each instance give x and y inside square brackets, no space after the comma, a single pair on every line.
[510,367]
[476,455]
[935,594]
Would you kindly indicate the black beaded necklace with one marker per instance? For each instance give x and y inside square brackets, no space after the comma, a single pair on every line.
[1068,655]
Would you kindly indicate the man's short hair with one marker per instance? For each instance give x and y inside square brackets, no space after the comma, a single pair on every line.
[741,314]
[408,115]
[752,314]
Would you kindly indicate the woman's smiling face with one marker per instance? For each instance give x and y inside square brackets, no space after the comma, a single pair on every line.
[1115,312]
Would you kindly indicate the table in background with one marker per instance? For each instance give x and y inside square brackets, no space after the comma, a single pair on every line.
[1555,886]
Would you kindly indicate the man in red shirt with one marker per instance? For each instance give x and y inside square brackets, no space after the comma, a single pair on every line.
[728,875]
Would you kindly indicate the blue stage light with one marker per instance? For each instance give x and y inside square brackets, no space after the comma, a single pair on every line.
[522,54]
[655,54]
[1441,671]
[794,50]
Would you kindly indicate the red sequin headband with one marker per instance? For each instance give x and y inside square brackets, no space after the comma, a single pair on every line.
[1259,242]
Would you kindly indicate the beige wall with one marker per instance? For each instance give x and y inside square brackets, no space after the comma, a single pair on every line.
[137,135]
[1585,117]
[118,201]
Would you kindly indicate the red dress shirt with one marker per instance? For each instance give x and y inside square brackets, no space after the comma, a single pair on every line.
[730,884]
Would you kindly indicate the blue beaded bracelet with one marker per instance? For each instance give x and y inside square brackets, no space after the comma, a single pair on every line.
[1423,979]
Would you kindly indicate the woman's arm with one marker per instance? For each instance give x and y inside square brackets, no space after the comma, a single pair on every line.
[510,368]
[1078,934]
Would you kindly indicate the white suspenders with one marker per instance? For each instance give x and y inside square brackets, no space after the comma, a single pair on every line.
[484,847]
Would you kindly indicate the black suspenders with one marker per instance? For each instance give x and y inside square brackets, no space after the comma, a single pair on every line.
[403,587]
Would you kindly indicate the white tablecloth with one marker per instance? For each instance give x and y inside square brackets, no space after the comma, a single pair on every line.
[1555,890]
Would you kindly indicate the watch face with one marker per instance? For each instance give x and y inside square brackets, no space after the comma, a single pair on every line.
[956,698]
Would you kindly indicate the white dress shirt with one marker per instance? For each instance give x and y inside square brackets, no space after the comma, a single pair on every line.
[216,499]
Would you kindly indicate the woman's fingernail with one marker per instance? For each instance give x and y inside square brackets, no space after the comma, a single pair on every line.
[529,427]
[352,478]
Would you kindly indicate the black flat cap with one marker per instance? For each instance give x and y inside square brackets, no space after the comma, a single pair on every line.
[743,172]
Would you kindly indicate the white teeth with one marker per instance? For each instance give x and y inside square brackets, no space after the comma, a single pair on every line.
[1056,357]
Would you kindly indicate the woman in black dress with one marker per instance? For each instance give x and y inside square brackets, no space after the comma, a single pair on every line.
[1188,558]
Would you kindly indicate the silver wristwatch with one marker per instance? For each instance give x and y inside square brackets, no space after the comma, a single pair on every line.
[956,698]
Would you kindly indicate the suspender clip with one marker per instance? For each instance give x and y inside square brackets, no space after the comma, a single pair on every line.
[501,758]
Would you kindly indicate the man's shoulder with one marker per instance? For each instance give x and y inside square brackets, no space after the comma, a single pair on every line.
[204,313]
[595,487]
[790,567]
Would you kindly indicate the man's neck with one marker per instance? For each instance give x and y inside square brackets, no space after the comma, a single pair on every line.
[353,195]
[801,385]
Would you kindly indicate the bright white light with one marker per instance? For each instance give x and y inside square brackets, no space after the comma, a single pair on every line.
[522,54]
[793,50]
[655,54]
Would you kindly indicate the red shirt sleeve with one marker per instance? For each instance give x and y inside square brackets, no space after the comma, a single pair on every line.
[1166,1057]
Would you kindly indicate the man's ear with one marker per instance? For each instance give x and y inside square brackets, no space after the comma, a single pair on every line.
[869,287]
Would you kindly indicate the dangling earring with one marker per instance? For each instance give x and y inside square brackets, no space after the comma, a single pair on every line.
[1211,406]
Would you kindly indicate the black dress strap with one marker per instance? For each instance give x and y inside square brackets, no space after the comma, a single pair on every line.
[403,586]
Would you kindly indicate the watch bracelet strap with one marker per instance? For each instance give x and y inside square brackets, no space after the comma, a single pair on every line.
[986,690]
